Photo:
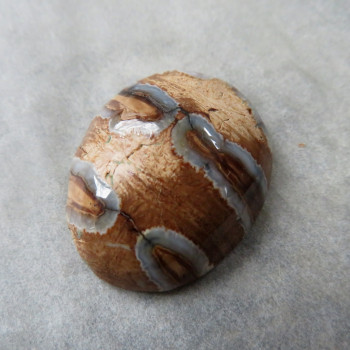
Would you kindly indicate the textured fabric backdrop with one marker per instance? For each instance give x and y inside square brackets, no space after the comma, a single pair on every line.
[286,285]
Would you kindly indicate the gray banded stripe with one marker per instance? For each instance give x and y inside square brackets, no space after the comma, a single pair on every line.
[102,191]
[157,97]
[175,242]
[210,135]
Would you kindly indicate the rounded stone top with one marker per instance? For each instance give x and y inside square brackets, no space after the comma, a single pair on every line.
[168,178]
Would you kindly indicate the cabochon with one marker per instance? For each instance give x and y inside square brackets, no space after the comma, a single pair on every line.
[168,178]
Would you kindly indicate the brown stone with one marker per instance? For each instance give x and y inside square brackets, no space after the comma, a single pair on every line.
[156,187]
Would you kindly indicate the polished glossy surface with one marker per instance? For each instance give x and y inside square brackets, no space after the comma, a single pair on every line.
[167,180]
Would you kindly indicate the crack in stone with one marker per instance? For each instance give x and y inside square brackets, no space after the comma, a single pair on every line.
[131,220]
[82,148]
[139,147]
[132,153]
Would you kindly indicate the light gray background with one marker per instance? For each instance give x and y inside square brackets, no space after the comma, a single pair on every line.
[287,284]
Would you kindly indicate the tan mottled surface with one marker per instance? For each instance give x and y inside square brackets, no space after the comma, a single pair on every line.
[218,102]
[156,187]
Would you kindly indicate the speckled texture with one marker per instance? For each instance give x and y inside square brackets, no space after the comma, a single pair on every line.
[171,173]
[287,284]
